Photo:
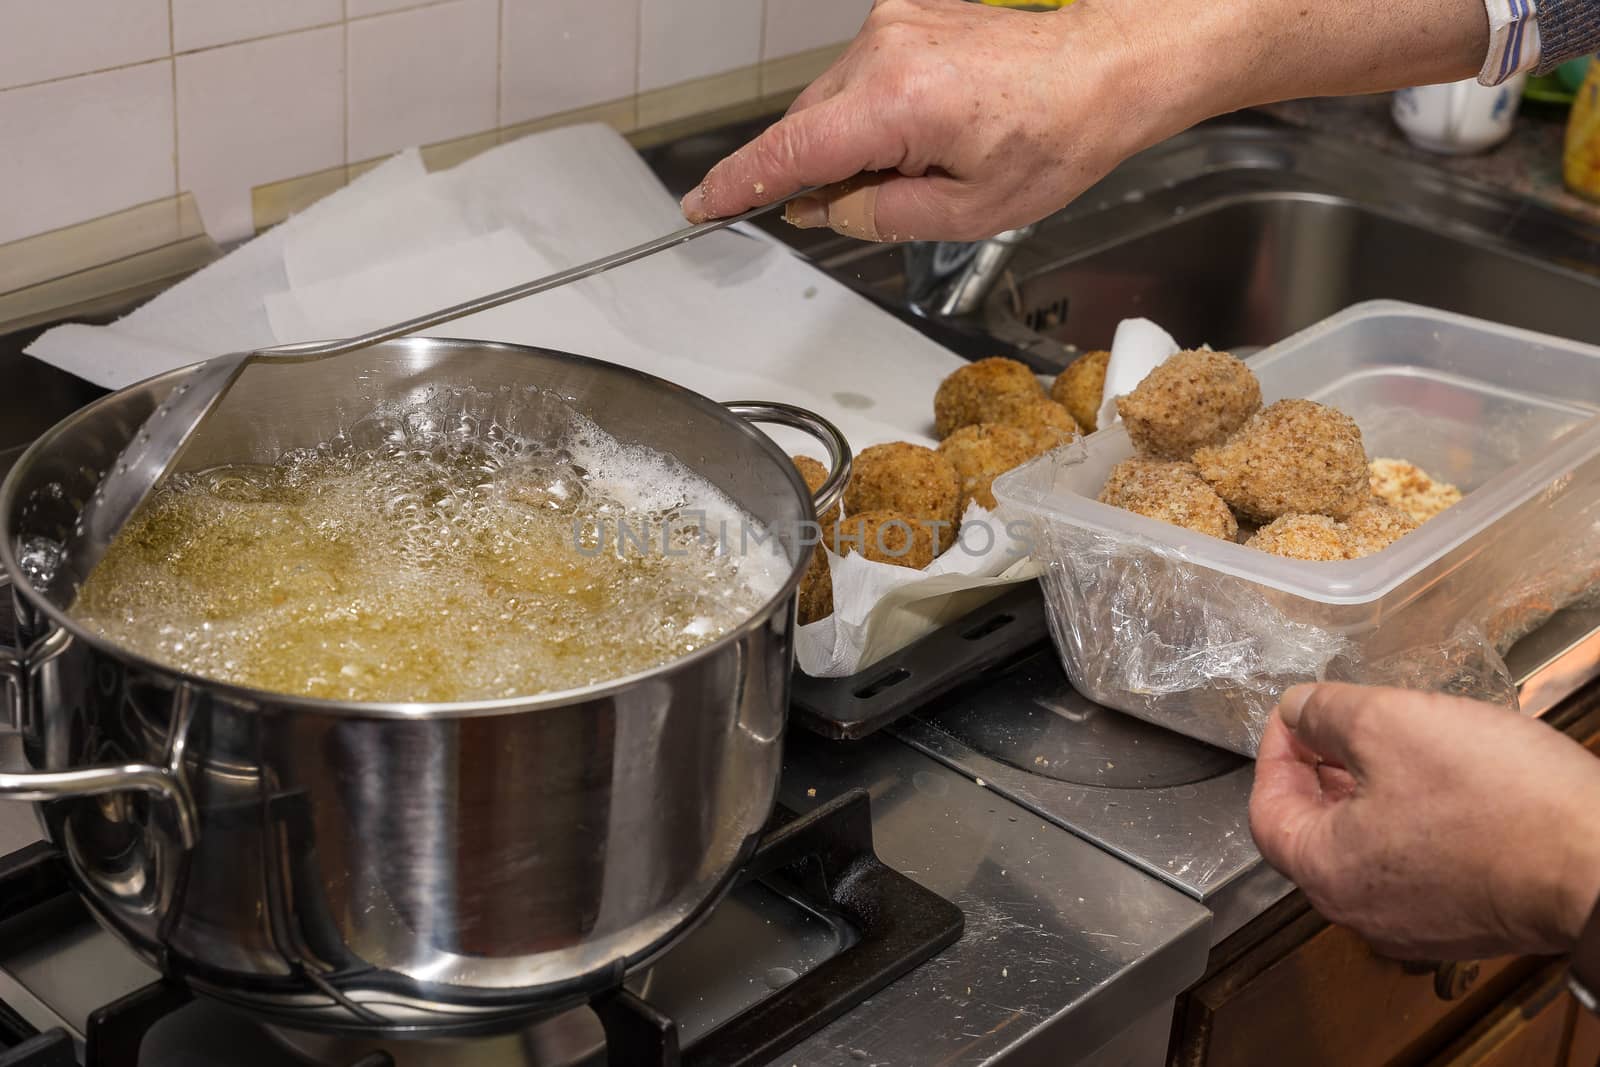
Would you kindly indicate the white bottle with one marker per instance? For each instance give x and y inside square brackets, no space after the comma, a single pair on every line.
[1458,118]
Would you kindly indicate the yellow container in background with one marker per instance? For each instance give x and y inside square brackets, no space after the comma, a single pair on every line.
[1581,160]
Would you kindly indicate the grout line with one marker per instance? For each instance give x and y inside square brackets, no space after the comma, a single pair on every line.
[97,70]
[260,37]
[499,64]
[417,6]
[761,43]
[638,54]
[172,58]
[344,93]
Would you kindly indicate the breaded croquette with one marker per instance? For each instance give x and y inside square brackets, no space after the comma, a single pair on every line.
[980,454]
[1411,489]
[815,474]
[884,537]
[1171,492]
[1194,399]
[816,588]
[1081,386]
[1046,423]
[1309,537]
[1295,457]
[909,479]
[1374,526]
[980,391]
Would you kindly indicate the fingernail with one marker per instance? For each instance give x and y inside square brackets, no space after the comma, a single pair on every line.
[1292,703]
[694,204]
[806,213]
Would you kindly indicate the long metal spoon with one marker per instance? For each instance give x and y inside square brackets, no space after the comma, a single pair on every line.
[146,459]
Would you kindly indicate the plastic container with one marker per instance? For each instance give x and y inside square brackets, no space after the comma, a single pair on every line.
[1202,635]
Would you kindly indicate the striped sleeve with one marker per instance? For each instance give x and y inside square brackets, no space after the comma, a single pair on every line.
[1569,29]
[1515,42]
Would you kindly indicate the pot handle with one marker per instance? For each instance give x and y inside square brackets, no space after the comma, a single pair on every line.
[839,459]
[16,667]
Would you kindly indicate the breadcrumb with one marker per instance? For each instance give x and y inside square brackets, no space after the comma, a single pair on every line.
[1295,457]
[1374,526]
[1081,387]
[1046,422]
[815,474]
[1194,399]
[980,454]
[1171,492]
[1308,537]
[884,537]
[909,479]
[979,392]
[1411,489]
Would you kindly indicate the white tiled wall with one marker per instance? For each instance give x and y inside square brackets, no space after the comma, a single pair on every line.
[105,104]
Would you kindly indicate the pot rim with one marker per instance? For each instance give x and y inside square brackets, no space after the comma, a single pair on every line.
[409,710]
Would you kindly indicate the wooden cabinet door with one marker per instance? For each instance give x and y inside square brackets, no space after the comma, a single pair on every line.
[1534,1028]
[1316,995]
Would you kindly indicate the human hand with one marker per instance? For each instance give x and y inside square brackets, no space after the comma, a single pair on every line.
[947,120]
[965,120]
[1435,827]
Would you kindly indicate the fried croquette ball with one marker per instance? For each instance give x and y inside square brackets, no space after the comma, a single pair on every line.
[816,589]
[909,479]
[981,391]
[1046,423]
[815,474]
[1081,387]
[1374,526]
[1309,537]
[1295,457]
[1171,492]
[884,537]
[980,454]
[1411,489]
[1192,400]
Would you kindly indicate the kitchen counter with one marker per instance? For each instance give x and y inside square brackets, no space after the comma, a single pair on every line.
[1528,163]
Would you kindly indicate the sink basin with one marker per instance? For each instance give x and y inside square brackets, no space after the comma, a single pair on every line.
[1239,233]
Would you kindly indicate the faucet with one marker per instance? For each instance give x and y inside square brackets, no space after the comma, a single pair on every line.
[948,278]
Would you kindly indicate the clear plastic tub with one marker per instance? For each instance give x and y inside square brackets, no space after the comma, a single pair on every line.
[1202,635]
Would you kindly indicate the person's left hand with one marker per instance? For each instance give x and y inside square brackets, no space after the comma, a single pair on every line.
[1435,827]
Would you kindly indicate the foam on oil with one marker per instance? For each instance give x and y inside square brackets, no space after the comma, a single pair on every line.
[432,554]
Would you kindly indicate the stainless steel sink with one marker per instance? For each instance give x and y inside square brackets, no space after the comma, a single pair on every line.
[1242,232]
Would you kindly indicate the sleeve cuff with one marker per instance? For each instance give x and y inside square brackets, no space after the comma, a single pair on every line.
[1513,40]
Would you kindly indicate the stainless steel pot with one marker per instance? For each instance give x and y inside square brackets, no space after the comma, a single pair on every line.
[373,867]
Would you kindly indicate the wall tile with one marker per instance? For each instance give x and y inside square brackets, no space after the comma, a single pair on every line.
[206,23]
[421,76]
[45,39]
[95,144]
[802,25]
[681,40]
[254,113]
[549,63]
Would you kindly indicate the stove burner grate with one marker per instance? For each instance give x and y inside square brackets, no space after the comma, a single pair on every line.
[900,924]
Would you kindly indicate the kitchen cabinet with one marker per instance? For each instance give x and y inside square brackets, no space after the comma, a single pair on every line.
[1533,1028]
[1293,988]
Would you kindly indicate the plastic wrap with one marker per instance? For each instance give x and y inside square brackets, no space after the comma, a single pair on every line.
[1202,636]
[1144,627]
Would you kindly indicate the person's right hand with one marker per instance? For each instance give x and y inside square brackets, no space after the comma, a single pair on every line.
[1435,827]
[965,120]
